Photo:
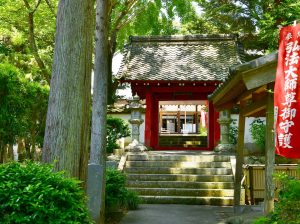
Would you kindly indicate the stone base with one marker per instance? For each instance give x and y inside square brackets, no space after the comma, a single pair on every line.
[135,146]
[225,148]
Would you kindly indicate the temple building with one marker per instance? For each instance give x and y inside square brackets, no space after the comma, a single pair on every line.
[174,75]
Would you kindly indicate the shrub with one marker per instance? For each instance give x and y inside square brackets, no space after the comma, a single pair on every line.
[116,128]
[258,132]
[287,209]
[262,220]
[117,196]
[32,193]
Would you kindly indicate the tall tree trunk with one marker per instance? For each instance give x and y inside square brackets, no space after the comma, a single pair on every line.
[111,85]
[4,154]
[1,152]
[10,152]
[66,134]
[21,149]
[27,149]
[33,153]
[98,137]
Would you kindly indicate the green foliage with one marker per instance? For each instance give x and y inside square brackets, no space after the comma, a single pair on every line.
[23,106]
[287,209]
[116,128]
[258,133]
[255,21]
[150,18]
[12,106]
[262,220]
[32,193]
[233,132]
[117,196]
[283,13]
[14,35]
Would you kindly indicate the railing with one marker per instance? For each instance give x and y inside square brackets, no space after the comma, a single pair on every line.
[254,183]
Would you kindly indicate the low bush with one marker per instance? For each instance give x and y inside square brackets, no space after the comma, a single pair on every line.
[287,209]
[32,193]
[116,128]
[117,196]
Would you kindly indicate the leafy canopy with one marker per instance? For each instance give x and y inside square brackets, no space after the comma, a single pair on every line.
[23,106]
[256,21]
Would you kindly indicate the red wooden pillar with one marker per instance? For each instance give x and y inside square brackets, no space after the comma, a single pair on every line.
[217,132]
[154,122]
[148,118]
[211,126]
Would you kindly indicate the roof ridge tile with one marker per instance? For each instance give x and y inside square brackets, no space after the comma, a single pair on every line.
[176,38]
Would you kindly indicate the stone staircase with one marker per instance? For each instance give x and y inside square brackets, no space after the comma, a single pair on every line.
[170,178]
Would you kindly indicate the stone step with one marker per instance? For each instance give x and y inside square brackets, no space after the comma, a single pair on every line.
[180,177]
[219,201]
[180,158]
[178,164]
[180,184]
[170,170]
[184,192]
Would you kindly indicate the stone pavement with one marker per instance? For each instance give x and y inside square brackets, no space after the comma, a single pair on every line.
[190,214]
[177,214]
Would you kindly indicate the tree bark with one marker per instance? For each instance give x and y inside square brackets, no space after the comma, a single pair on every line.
[98,136]
[2,148]
[10,152]
[67,124]
[27,149]
[4,154]
[21,149]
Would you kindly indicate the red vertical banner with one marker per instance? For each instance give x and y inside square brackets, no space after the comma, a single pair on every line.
[287,94]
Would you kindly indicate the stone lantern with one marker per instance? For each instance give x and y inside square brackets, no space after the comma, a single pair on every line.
[136,117]
[224,121]
[136,120]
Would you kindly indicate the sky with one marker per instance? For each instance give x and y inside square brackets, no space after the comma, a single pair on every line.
[117,59]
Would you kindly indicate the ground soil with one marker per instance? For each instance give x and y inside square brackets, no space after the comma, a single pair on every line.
[114,217]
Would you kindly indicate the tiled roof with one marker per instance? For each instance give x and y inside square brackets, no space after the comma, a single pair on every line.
[185,58]
[247,66]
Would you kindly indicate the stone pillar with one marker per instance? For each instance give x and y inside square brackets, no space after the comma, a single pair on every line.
[135,121]
[224,121]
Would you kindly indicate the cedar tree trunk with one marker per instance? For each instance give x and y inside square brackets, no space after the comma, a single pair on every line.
[67,124]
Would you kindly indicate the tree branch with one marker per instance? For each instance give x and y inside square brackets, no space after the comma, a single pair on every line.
[27,5]
[32,41]
[130,17]
[36,6]
[51,7]
[128,6]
